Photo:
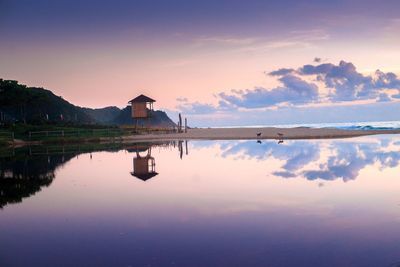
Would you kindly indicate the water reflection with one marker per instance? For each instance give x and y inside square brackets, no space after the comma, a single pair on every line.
[25,171]
[226,203]
[341,159]
[29,170]
[22,176]
[144,166]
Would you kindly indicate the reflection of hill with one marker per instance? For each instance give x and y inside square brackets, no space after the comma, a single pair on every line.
[30,169]
[21,177]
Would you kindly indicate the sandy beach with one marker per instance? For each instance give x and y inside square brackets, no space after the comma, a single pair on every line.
[266,133]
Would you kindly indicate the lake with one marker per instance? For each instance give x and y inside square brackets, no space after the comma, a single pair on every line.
[203,203]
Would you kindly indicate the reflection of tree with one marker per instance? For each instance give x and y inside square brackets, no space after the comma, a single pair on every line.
[23,176]
[345,159]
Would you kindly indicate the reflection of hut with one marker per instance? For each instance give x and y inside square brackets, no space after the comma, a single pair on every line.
[144,166]
[141,106]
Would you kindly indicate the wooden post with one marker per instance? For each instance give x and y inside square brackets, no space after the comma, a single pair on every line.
[180,122]
[185,125]
[180,149]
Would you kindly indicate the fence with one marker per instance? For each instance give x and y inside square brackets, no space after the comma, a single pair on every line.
[111,132]
[74,133]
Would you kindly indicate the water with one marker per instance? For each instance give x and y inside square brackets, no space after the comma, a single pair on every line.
[369,125]
[214,203]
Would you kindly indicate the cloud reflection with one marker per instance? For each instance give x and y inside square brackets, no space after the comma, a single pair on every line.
[320,160]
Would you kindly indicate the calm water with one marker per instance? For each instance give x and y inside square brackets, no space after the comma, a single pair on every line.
[216,203]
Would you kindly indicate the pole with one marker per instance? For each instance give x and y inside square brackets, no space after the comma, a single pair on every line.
[185,125]
[180,123]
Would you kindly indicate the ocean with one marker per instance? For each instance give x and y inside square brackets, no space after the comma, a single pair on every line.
[370,125]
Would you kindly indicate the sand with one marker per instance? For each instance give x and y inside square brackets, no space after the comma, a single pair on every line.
[251,133]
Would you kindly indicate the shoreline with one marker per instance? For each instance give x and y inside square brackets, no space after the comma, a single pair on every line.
[241,133]
[266,133]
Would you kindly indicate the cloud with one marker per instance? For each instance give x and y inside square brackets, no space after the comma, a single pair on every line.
[383,97]
[386,80]
[196,108]
[317,60]
[309,84]
[284,174]
[182,99]
[348,84]
[294,91]
[226,40]
[281,72]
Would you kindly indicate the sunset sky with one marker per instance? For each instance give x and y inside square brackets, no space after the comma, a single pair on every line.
[218,62]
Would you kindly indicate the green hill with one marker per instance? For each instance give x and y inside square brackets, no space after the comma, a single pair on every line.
[19,103]
[103,115]
[157,118]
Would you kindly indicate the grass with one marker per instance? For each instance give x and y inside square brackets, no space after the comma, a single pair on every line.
[21,131]
[67,133]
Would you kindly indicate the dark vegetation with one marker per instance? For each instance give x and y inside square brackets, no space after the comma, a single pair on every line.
[157,118]
[38,106]
[24,171]
[24,110]
[19,103]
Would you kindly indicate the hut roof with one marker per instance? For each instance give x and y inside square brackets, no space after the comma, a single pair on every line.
[142,99]
[144,176]
[138,148]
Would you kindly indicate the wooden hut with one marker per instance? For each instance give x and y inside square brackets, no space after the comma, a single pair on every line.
[141,106]
[144,167]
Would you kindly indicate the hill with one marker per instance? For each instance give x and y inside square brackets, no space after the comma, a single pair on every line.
[35,105]
[19,103]
[103,115]
[157,118]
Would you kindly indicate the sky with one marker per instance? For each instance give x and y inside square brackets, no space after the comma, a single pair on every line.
[218,62]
